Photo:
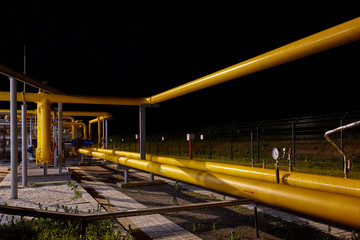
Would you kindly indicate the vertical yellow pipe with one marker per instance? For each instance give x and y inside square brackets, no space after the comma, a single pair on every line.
[43,151]
[38,131]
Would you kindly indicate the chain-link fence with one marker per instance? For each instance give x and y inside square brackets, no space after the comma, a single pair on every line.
[254,141]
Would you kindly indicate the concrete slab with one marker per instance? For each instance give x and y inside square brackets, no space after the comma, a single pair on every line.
[135,184]
[155,225]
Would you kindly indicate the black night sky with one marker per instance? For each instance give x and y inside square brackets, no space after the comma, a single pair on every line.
[139,49]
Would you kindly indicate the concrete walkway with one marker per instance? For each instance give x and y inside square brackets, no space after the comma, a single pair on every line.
[155,226]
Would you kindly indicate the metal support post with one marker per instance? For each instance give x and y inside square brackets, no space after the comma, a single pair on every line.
[60,136]
[256,221]
[142,131]
[55,140]
[126,175]
[45,169]
[13,131]
[106,133]
[24,145]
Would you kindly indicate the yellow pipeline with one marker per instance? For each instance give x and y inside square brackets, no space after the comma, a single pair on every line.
[334,207]
[67,113]
[55,98]
[311,181]
[327,39]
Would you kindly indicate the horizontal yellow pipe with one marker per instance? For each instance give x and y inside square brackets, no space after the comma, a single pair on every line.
[327,39]
[344,186]
[67,113]
[79,99]
[334,207]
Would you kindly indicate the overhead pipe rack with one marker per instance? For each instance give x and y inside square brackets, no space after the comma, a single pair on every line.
[319,203]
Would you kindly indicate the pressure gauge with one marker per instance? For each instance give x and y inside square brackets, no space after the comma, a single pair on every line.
[275,153]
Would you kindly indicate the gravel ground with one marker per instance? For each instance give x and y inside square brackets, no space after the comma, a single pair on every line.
[52,197]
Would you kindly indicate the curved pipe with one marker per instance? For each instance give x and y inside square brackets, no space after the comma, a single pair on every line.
[329,206]
[75,124]
[333,37]
[344,186]
[327,137]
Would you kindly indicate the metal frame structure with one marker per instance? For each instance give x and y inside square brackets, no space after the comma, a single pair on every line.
[316,203]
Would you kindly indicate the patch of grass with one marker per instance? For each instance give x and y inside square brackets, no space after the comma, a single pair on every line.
[34,185]
[40,228]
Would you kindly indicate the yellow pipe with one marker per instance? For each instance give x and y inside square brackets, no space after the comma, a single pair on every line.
[43,151]
[55,98]
[97,120]
[67,113]
[336,36]
[334,207]
[76,124]
[344,186]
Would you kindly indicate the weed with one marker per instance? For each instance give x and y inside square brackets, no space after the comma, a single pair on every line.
[34,185]
[236,235]
[108,203]
[195,227]
[213,227]
[175,189]
[77,193]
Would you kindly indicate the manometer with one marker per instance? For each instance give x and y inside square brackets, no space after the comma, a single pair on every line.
[275,153]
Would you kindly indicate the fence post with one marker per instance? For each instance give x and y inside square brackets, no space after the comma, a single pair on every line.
[231,145]
[293,139]
[252,146]
[210,150]
[258,140]
[341,137]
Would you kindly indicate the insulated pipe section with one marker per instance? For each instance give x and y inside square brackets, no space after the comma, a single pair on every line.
[333,207]
[327,39]
[344,186]
[43,151]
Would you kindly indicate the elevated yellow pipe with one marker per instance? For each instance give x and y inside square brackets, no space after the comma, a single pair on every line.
[80,99]
[334,207]
[336,36]
[67,113]
[344,186]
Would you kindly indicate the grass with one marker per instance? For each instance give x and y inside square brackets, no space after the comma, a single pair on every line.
[40,228]
[314,156]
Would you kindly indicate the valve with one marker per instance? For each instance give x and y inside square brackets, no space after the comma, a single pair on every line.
[86,142]
[30,149]
[73,142]
[276,156]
